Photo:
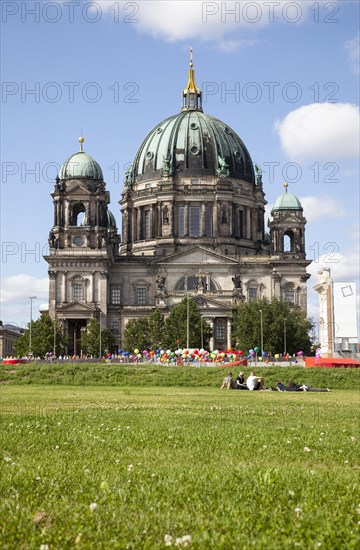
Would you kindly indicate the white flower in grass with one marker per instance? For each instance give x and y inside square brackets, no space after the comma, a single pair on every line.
[178,541]
[44,547]
[186,540]
[7,458]
[291,493]
[297,511]
[168,540]
[307,450]
[130,468]
[93,506]
[353,438]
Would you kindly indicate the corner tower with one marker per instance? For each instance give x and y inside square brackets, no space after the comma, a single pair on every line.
[288,256]
[83,244]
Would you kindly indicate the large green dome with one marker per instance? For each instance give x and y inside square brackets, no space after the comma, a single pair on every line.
[191,143]
[287,201]
[80,166]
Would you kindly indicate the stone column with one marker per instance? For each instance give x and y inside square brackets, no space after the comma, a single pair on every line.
[93,286]
[248,223]
[64,287]
[134,225]
[210,320]
[171,218]
[228,334]
[186,220]
[215,219]
[202,219]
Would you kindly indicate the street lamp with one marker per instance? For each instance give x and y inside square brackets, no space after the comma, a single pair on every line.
[31,298]
[285,336]
[261,332]
[100,342]
[54,337]
[187,320]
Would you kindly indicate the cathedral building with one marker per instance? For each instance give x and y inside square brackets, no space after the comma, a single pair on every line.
[193,224]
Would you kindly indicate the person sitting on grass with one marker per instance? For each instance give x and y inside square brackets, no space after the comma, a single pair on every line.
[240,382]
[254,382]
[228,382]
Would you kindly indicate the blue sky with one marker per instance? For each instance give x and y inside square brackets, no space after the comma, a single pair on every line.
[283,75]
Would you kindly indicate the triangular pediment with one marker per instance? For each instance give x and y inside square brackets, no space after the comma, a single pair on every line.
[194,256]
[77,307]
[78,190]
[205,303]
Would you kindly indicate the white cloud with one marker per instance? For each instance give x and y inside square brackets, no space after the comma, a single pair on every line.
[321,131]
[14,296]
[235,45]
[353,49]
[317,208]
[206,21]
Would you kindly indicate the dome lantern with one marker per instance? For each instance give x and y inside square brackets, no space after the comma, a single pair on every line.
[192,99]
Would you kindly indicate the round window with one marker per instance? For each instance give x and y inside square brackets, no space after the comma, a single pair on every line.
[78,241]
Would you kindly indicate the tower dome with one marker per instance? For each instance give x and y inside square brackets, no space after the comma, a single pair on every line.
[287,201]
[80,166]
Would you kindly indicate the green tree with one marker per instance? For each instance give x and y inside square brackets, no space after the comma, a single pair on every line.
[145,333]
[90,340]
[280,320]
[136,334]
[176,326]
[44,333]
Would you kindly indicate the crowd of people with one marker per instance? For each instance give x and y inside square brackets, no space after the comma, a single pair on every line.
[253,383]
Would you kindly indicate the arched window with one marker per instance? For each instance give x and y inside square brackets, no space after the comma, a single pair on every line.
[190,282]
[78,214]
[288,241]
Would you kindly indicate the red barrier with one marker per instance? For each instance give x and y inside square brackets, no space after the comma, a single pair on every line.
[331,362]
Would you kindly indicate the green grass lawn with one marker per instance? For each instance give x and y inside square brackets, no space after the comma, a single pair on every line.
[233,470]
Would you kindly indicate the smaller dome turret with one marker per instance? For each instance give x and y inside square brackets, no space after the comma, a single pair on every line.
[287,201]
[80,166]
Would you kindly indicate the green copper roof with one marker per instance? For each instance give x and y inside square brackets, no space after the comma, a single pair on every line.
[192,144]
[80,165]
[287,201]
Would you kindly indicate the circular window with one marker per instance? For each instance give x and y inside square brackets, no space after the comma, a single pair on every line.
[194,126]
[159,130]
[78,241]
[237,154]
[149,155]
[194,150]
[227,130]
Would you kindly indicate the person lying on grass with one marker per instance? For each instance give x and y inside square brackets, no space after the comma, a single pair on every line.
[298,387]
